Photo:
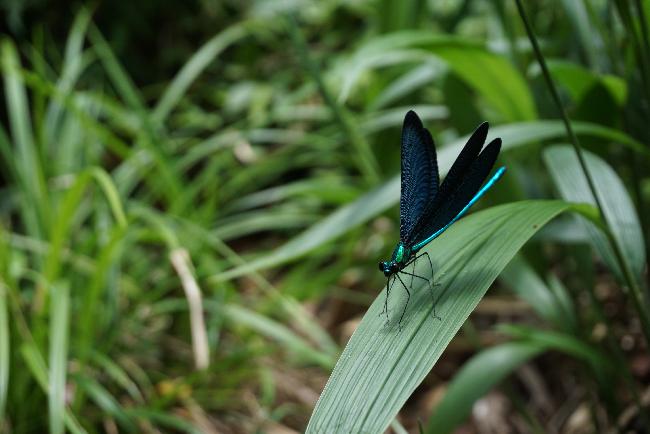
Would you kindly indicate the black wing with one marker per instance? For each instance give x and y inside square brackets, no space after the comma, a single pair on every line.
[463,162]
[468,172]
[419,174]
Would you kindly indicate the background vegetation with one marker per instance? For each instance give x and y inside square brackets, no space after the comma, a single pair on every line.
[195,196]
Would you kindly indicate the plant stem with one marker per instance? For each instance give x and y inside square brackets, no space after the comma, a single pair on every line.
[639,43]
[637,296]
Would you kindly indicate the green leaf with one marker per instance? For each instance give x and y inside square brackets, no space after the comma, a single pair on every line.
[480,374]
[484,71]
[565,343]
[407,83]
[106,402]
[277,331]
[72,67]
[488,368]
[58,353]
[337,223]
[571,182]
[471,61]
[522,280]
[4,345]
[520,133]
[34,200]
[583,30]
[577,80]
[195,66]
[35,363]
[382,364]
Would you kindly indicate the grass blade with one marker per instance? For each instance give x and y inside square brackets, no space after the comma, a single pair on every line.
[480,374]
[58,356]
[32,179]
[617,205]
[195,66]
[4,349]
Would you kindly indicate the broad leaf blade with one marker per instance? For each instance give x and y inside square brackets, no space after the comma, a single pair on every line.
[382,365]
[571,182]
[471,61]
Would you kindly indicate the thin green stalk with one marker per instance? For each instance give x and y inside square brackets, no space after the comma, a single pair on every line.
[366,160]
[644,27]
[638,299]
[513,52]
[639,48]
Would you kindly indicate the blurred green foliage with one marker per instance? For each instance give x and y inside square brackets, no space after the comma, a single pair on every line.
[195,196]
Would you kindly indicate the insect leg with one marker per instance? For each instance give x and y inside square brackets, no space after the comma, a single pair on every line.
[413,272]
[385,311]
[414,275]
[430,263]
[412,261]
[433,297]
[408,297]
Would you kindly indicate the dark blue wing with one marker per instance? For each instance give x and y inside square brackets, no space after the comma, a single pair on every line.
[419,174]
[465,187]
[463,162]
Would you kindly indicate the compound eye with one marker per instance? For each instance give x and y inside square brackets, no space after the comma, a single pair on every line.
[381,266]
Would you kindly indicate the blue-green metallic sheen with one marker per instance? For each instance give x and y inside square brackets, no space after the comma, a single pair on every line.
[462,212]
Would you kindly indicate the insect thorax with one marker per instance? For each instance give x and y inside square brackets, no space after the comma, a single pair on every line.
[401,254]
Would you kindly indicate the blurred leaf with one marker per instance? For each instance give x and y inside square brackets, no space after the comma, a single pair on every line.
[598,106]
[5,347]
[565,304]
[58,356]
[463,113]
[472,62]
[567,344]
[569,179]
[523,281]
[35,363]
[337,223]
[382,364]
[406,84]
[106,402]
[489,367]
[72,68]
[166,182]
[590,41]
[382,120]
[117,374]
[481,373]
[484,71]
[250,222]
[26,161]
[164,418]
[194,67]
[577,80]
[277,331]
[521,133]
